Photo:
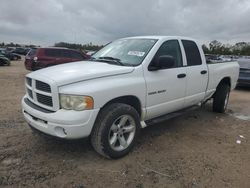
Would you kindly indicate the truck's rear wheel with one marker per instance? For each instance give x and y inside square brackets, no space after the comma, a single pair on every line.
[116,130]
[221,98]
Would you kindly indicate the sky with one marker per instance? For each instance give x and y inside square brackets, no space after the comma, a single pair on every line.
[100,21]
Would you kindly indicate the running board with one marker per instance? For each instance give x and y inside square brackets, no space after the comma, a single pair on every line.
[169,116]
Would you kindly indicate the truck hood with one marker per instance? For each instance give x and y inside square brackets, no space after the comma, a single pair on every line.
[79,71]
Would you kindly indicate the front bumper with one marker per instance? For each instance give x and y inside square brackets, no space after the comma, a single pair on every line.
[66,124]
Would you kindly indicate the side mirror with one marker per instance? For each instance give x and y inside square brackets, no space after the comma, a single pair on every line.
[162,62]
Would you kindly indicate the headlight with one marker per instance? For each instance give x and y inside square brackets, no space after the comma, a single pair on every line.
[76,102]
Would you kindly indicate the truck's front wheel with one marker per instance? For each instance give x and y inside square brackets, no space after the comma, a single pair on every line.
[116,130]
[221,98]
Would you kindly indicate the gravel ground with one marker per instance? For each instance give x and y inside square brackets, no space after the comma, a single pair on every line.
[197,149]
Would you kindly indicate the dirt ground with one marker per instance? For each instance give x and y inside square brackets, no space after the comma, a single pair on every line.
[197,149]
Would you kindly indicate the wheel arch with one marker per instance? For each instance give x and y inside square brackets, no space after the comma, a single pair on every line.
[127,99]
[225,80]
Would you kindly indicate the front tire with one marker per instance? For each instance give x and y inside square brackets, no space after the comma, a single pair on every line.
[221,98]
[116,130]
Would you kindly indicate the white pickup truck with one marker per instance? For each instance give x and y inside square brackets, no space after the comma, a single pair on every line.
[123,87]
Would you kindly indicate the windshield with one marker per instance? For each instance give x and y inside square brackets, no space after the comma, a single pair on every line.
[130,52]
[32,52]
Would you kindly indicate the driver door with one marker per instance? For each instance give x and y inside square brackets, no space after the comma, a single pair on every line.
[166,87]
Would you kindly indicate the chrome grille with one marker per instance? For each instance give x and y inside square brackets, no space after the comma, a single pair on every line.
[46,100]
[40,93]
[43,86]
[30,93]
[29,81]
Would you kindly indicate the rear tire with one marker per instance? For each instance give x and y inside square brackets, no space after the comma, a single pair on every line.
[221,98]
[116,130]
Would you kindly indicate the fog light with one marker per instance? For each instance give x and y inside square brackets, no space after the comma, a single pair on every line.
[60,132]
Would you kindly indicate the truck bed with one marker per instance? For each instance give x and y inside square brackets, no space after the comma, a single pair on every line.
[220,70]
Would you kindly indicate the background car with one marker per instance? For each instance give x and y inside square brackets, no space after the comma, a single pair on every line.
[244,76]
[10,55]
[38,58]
[4,60]
[213,58]
[10,49]
[20,51]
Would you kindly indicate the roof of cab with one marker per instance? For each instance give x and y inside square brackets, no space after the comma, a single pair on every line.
[159,37]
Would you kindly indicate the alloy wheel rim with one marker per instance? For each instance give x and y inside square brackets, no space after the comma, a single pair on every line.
[122,132]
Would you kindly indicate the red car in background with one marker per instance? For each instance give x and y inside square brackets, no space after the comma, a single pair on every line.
[38,58]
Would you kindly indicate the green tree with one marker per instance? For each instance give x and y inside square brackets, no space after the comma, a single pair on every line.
[215,47]
[205,49]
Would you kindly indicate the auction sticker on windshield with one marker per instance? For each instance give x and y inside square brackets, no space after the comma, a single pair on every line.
[136,53]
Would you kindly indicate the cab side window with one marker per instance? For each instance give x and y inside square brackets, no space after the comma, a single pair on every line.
[66,54]
[53,52]
[192,53]
[170,48]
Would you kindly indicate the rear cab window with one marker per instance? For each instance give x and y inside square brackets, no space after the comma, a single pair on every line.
[192,53]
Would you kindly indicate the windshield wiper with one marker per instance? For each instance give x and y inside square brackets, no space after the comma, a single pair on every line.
[109,59]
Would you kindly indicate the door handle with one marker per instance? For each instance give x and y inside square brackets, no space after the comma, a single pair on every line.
[204,72]
[181,75]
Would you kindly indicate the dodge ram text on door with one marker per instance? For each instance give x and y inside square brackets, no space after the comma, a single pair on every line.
[125,85]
